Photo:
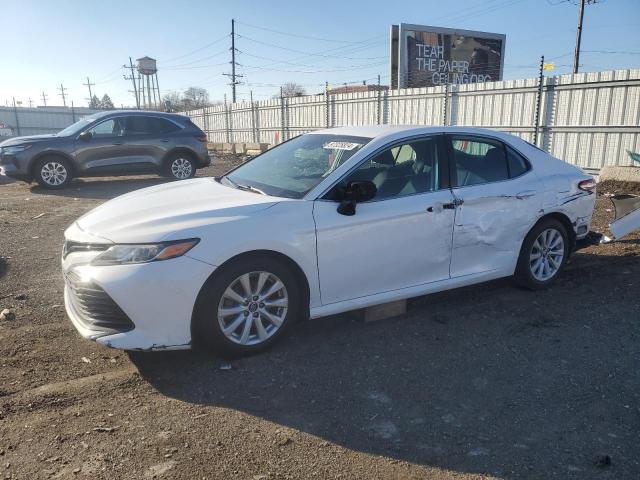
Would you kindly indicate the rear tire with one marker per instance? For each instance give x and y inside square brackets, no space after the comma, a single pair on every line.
[543,255]
[246,307]
[179,166]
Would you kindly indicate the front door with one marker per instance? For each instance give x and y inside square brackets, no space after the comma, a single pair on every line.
[497,199]
[401,238]
[104,149]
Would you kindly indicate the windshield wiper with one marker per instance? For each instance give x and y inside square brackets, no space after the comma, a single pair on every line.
[246,188]
[249,188]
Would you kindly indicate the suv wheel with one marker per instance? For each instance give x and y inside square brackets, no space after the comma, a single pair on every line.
[53,172]
[180,166]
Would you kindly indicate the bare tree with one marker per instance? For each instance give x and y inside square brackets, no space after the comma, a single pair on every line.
[191,98]
[292,89]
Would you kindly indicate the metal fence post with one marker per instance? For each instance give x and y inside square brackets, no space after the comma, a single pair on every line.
[254,133]
[15,111]
[205,122]
[538,102]
[281,116]
[326,97]
[445,107]
[227,127]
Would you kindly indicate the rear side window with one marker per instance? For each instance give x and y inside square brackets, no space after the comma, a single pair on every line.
[517,164]
[478,161]
[140,125]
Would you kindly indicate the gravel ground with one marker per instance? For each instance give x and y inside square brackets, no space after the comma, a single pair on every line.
[480,382]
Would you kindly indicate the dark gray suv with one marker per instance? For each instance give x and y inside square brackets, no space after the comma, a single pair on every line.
[109,143]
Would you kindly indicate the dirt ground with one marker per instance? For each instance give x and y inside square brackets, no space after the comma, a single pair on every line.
[480,382]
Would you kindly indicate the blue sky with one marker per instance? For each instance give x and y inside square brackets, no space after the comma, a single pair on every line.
[64,41]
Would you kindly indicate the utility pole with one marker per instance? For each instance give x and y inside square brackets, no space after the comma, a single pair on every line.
[538,101]
[576,56]
[133,79]
[89,85]
[63,94]
[44,98]
[234,76]
[30,103]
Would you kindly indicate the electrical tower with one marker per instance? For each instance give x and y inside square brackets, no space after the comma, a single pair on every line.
[44,98]
[576,56]
[132,77]
[89,85]
[234,76]
[63,94]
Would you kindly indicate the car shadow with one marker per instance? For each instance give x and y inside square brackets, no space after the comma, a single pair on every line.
[489,379]
[102,188]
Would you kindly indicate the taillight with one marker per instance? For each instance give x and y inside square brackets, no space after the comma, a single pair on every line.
[587,185]
[201,138]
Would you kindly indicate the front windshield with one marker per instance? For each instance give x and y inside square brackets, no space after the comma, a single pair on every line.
[76,127]
[295,167]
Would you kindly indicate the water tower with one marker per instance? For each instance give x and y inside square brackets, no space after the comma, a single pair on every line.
[148,82]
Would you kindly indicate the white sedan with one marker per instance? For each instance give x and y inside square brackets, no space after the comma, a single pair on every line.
[329,221]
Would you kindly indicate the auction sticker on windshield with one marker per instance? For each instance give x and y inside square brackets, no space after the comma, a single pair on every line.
[341,145]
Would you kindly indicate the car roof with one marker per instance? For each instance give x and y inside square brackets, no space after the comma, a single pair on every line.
[382,131]
[145,113]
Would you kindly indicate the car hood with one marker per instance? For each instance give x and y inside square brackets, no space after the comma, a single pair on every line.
[161,212]
[29,139]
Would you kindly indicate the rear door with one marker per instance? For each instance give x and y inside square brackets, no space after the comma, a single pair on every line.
[497,196]
[148,139]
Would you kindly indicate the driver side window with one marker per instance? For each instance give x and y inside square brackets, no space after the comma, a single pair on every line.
[405,169]
[109,128]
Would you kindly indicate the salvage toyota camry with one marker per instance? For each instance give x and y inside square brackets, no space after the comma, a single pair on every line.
[327,222]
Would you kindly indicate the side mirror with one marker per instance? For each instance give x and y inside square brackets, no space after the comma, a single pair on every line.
[86,135]
[358,191]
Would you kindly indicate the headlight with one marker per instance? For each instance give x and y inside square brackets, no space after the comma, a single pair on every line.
[144,253]
[15,149]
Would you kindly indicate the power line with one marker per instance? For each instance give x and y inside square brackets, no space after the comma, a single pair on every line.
[297,35]
[306,53]
[175,67]
[196,50]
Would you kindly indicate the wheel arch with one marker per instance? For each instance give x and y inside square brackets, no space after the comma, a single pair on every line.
[566,223]
[285,259]
[179,150]
[51,153]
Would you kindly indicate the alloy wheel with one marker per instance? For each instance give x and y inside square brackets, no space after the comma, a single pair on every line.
[181,168]
[253,308]
[54,173]
[546,254]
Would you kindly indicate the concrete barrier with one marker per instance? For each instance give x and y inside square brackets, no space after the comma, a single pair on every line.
[619,174]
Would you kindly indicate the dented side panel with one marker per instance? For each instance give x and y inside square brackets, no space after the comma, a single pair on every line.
[491,223]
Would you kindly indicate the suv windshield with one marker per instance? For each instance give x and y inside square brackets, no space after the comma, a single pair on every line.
[76,127]
[295,167]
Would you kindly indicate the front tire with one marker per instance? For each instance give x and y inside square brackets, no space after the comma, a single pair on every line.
[53,172]
[246,307]
[180,166]
[543,254]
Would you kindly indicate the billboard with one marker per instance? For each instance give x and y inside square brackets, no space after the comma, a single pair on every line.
[424,56]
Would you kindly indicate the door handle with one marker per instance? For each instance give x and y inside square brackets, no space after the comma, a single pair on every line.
[117,143]
[525,194]
[165,140]
[438,207]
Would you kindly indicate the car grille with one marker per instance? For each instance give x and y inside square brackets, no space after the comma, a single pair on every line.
[94,307]
[72,247]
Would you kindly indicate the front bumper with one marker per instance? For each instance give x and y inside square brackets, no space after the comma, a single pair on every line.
[10,170]
[157,299]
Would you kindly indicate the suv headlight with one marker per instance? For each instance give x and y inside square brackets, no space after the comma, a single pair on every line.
[144,253]
[15,149]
